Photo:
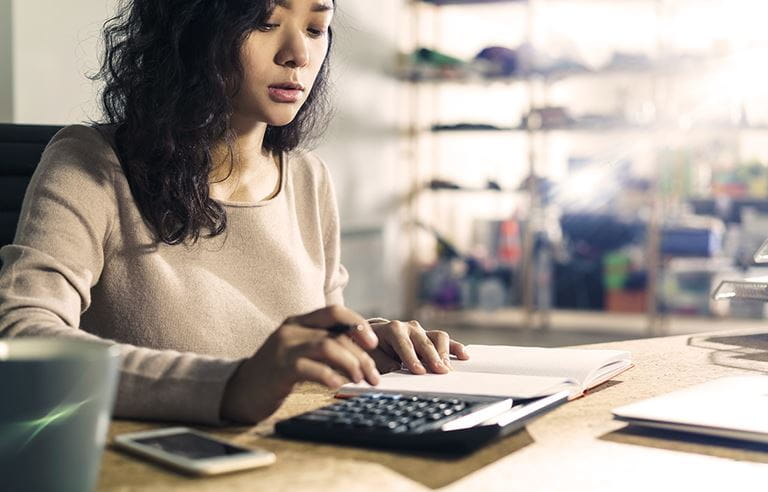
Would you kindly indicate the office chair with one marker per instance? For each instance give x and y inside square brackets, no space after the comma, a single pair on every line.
[20,149]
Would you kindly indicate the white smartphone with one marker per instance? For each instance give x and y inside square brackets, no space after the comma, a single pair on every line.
[192,452]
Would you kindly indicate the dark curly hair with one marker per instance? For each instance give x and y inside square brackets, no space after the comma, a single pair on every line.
[170,70]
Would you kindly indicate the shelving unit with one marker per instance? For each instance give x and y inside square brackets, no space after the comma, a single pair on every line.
[418,132]
[539,89]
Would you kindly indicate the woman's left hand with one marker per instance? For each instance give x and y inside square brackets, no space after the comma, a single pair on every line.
[406,343]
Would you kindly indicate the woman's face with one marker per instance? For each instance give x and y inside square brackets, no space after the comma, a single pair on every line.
[281,60]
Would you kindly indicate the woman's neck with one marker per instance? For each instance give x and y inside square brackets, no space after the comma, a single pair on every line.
[246,172]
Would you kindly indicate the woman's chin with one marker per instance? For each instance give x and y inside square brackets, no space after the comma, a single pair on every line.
[272,118]
[280,119]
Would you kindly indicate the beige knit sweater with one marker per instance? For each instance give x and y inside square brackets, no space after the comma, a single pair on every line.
[84,264]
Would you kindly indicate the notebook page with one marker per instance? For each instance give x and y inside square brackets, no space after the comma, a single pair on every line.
[577,364]
[606,373]
[467,383]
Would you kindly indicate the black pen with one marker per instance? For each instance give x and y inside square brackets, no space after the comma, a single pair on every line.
[340,328]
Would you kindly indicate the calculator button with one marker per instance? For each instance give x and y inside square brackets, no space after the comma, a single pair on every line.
[414,424]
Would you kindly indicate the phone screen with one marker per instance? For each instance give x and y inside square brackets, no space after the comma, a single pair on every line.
[191,446]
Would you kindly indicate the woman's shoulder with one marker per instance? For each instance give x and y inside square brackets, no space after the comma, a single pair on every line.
[81,135]
[83,139]
[307,166]
[83,147]
[77,159]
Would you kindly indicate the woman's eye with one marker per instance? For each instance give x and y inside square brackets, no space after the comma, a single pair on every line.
[316,33]
[265,27]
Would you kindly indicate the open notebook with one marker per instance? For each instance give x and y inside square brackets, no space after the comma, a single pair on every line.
[518,372]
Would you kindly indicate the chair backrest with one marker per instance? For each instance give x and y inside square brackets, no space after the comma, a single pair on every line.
[20,149]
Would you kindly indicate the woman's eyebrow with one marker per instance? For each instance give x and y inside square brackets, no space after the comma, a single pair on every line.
[317,7]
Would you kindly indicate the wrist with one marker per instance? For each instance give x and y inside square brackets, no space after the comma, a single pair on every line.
[230,406]
[248,399]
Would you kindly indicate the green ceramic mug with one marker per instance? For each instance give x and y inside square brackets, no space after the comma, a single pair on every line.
[56,398]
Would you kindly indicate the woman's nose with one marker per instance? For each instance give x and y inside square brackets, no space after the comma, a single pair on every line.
[293,52]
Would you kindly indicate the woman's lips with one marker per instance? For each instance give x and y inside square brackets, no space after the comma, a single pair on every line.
[284,95]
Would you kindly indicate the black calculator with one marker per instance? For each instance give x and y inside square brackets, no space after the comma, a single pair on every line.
[437,422]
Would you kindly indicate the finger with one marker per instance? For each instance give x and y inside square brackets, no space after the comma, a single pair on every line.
[426,350]
[317,372]
[365,362]
[399,338]
[441,341]
[334,315]
[331,352]
[384,361]
[459,350]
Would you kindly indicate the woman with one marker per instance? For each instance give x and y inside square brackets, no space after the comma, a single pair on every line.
[188,228]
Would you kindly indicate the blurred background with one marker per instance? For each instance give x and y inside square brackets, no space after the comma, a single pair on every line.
[543,172]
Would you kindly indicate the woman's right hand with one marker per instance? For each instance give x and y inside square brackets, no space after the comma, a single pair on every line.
[301,349]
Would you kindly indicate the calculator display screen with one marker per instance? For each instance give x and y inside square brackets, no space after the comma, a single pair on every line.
[191,446]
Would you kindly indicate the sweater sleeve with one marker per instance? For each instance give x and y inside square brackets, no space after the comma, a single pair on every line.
[336,275]
[57,257]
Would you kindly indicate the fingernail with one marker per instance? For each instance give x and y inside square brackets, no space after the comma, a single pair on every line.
[419,366]
[447,362]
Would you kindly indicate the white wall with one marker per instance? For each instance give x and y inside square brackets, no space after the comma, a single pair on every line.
[6,80]
[55,44]
[364,150]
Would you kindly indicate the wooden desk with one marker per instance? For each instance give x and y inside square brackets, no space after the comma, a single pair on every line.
[578,447]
